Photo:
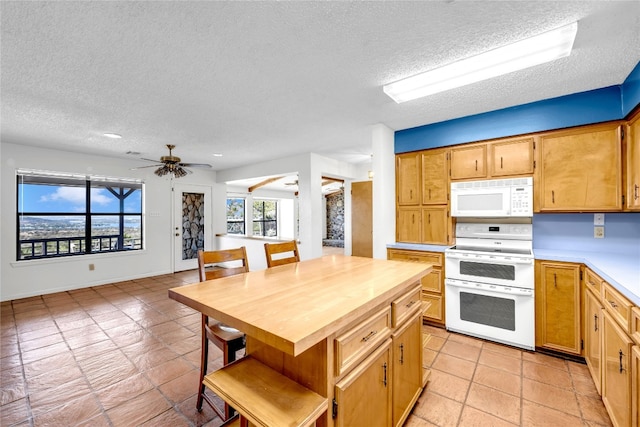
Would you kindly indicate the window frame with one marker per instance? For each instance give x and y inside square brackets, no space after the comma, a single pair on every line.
[243,221]
[264,221]
[91,242]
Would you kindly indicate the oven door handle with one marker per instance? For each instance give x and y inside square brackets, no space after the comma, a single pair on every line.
[524,261]
[492,288]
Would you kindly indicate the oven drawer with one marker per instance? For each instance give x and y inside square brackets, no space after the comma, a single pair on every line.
[618,306]
[404,306]
[356,343]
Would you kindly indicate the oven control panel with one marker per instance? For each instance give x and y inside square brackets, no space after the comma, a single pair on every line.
[495,231]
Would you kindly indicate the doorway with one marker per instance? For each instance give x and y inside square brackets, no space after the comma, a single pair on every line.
[191,223]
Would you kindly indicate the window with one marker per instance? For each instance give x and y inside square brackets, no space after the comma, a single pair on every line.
[235,216]
[65,214]
[265,214]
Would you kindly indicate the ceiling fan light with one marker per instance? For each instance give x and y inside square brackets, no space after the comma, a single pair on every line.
[546,47]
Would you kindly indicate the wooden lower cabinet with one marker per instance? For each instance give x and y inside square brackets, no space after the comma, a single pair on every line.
[407,369]
[635,385]
[558,306]
[363,397]
[616,378]
[593,336]
[432,284]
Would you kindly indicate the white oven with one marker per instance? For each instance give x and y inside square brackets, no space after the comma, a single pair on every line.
[495,198]
[489,286]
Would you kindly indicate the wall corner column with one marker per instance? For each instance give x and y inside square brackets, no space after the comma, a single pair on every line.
[384,189]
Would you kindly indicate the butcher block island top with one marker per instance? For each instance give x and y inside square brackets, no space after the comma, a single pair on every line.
[293,307]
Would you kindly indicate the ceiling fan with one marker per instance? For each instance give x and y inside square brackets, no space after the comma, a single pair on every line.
[172,164]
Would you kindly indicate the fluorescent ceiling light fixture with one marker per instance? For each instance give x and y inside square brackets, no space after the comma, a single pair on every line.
[112,135]
[526,53]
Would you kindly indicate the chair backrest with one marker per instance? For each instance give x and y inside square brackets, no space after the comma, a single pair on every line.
[271,249]
[212,258]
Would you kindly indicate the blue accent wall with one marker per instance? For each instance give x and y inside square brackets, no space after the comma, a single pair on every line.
[574,232]
[631,91]
[595,106]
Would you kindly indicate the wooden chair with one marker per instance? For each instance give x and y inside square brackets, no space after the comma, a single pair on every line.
[227,339]
[280,248]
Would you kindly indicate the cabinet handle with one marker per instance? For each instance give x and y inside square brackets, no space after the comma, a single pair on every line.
[553,196]
[476,165]
[500,162]
[635,192]
[620,354]
[429,194]
[595,322]
[613,304]
[368,337]
[384,381]
[555,280]
[411,303]
[402,354]
[429,218]
[411,194]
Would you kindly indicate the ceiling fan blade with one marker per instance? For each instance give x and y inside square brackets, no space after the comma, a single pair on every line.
[150,166]
[149,160]
[196,165]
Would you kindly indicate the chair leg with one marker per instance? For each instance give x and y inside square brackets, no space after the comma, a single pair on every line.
[204,357]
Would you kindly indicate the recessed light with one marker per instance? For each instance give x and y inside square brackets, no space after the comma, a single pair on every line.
[112,135]
[217,154]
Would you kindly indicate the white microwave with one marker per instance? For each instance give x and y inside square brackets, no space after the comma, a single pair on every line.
[491,198]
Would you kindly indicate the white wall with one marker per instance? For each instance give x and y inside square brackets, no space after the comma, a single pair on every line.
[36,277]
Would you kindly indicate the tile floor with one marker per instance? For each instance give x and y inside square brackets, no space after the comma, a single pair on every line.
[125,354]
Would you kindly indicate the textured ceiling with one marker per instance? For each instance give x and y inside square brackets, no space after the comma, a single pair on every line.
[264,80]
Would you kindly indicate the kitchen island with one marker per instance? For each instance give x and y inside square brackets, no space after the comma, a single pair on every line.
[339,326]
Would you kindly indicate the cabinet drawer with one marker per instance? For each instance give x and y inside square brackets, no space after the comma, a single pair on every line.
[593,282]
[355,344]
[399,255]
[404,306]
[617,305]
[432,282]
[435,311]
[635,325]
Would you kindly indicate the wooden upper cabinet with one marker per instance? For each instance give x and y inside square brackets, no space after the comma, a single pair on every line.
[511,157]
[435,225]
[408,179]
[632,141]
[469,162]
[435,177]
[580,169]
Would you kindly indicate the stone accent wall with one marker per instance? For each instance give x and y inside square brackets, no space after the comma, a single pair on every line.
[192,224]
[335,219]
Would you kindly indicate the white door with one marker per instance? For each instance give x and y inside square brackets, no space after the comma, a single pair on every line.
[192,224]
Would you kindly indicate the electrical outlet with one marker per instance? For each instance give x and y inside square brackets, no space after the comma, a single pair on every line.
[598,232]
[598,219]
[92,267]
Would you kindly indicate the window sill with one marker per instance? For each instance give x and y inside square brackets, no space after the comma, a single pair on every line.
[75,258]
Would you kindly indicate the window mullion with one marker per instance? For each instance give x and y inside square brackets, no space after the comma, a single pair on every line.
[87,219]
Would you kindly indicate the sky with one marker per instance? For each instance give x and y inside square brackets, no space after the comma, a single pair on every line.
[64,199]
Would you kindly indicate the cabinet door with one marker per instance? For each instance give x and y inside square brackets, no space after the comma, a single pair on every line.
[635,386]
[593,337]
[408,179]
[633,164]
[408,225]
[407,369]
[469,162]
[435,177]
[616,379]
[581,170]
[558,306]
[363,397]
[511,157]
[435,224]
